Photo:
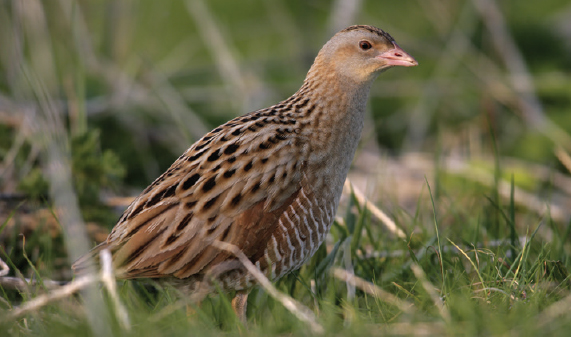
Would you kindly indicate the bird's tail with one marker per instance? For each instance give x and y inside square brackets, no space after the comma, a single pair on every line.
[89,261]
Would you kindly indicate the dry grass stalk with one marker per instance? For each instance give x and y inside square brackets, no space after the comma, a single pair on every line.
[4,269]
[106,277]
[297,309]
[57,294]
[421,276]
[38,80]
[23,284]
[372,289]
[220,49]
[389,224]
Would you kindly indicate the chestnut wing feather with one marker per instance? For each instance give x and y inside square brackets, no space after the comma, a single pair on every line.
[235,179]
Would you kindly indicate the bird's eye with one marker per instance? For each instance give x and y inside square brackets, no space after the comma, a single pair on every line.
[365,45]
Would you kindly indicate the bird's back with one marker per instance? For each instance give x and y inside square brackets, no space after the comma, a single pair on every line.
[245,183]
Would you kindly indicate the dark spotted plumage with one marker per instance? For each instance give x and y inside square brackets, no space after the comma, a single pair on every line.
[267,182]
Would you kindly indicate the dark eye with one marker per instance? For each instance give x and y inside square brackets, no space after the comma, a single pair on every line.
[365,45]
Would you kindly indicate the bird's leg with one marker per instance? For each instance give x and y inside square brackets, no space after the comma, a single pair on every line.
[240,303]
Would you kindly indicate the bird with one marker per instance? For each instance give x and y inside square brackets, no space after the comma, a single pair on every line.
[268,182]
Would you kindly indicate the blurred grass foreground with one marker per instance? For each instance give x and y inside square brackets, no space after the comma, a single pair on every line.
[458,219]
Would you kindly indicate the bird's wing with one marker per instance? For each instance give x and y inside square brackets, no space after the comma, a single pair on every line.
[231,185]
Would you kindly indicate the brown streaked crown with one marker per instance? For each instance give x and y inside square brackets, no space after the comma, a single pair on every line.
[371,29]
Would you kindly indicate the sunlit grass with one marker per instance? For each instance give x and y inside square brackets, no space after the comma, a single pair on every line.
[483,290]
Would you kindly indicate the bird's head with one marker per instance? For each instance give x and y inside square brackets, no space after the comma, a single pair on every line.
[360,53]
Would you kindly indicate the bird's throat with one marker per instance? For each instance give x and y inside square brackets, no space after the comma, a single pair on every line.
[334,128]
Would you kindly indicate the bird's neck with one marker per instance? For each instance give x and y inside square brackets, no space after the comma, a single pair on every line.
[334,125]
[338,111]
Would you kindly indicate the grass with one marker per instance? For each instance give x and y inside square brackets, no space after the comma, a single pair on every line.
[110,93]
[456,278]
